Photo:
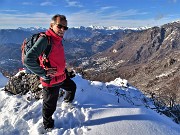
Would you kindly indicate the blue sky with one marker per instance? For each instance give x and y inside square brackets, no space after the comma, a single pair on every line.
[123,13]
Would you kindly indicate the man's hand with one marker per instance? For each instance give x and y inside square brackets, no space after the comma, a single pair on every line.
[46,79]
[70,74]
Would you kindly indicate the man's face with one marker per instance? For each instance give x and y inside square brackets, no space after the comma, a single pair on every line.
[59,27]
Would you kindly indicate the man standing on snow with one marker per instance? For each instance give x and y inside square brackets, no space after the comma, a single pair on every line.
[54,77]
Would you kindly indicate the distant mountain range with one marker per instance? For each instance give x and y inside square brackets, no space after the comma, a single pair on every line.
[79,42]
[148,59]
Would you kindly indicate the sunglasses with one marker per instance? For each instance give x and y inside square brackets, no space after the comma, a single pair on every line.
[62,26]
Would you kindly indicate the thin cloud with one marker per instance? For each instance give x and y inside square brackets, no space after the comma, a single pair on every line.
[73,4]
[27,3]
[174,15]
[174,1]
[25,20]
[107,7]
[8,10]
[126,14]
[118,14]
[46,4]
[86,18]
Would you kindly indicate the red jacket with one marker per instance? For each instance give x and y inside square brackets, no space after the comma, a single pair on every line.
[56,59]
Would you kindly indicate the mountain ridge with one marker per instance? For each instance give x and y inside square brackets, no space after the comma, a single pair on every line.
[140,58]
[148,58]
[78,43]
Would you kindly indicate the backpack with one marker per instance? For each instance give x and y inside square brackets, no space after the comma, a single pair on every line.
[29,42]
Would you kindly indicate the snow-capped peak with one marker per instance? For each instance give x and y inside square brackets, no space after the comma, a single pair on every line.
[118,28]
[32,28]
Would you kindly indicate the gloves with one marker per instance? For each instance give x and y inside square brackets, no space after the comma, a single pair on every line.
[49,73]
[70,74]
[46,79]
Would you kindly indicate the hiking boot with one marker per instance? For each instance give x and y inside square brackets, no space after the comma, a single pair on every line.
[66,105]
[49,129]
[42,130]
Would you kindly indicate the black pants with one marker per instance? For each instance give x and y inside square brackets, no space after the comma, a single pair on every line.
[50,97]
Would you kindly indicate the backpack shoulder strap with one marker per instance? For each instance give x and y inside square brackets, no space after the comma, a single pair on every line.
[46,52]
[49,46]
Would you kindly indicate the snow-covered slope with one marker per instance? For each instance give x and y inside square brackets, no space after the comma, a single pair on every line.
[101,109]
